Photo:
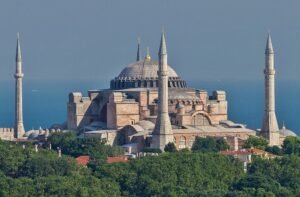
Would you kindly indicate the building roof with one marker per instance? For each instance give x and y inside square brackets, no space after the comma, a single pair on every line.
[121,158]
[286,132]
[248,151]
[212,129]
[143,69]
[83,160]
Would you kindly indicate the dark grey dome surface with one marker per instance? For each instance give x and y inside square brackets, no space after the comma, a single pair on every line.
[144,69]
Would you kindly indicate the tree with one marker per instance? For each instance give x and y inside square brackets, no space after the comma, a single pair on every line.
[274,150]
[170,147]
[209,144]
[94,147]
[256,142]
[291,145]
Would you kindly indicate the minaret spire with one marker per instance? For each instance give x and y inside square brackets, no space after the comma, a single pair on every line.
[19,126]
[148,56]
[162,133]
[138,56]
[270,128]
[269,45]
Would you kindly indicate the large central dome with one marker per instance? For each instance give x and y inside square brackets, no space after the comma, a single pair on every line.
[143,74]
[144,69]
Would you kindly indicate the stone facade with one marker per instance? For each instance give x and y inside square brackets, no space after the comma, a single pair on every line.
[7,134]
[149,93]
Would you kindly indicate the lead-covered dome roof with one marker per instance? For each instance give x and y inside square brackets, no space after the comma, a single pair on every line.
[144,69]
[143,74]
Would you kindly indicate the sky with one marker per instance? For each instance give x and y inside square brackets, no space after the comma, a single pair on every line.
[94,39]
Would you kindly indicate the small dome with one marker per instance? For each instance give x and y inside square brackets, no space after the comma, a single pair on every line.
[286,132]
[147,125]
[34,134]
[144,69]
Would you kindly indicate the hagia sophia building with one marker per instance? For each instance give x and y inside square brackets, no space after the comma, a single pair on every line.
[149,105]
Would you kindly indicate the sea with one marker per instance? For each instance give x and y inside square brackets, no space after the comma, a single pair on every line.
[45,101]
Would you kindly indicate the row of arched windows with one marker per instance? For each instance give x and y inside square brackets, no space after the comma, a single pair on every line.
[122,84]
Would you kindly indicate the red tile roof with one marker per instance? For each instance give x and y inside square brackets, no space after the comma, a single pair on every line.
[248,151]
[121,158]
[234,153]
[83,160]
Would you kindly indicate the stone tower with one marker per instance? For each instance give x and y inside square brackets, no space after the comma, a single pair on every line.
[19,127]
[162,133]
[270,128]
[138,55]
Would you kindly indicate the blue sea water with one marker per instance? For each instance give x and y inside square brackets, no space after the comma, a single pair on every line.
[45,102]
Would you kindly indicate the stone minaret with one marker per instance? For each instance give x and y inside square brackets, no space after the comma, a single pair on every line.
[19,127]
[138,55]
[270,128]
[162,133]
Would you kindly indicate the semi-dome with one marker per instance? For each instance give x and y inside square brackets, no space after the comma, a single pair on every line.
[143,74]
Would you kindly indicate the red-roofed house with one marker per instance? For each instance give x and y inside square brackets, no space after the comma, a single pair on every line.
[121,158]
[83,160]
[245,154]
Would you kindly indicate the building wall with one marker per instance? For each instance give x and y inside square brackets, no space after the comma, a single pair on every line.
[119,108]
[6,133]
[186,140]
[121,111]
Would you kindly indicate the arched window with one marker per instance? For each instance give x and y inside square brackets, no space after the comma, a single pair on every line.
[200,120]
[182,142]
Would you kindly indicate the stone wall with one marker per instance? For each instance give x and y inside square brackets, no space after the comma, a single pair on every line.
[6,133]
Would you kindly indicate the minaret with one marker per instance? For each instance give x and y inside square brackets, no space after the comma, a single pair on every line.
[162,133]
[138,55]
[19,127]
[270,128]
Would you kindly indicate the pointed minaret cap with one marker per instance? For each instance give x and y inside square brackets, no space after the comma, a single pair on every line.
[18,53]
[138,55]
[148,56]
[163,46]
[269,46]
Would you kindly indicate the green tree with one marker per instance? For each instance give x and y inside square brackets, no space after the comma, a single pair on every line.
[256,142]
[209,144]
[274,150]
[170,147]
[291,145]
[71,145]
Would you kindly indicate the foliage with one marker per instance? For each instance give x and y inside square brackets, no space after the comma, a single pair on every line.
[174,174]
[71,145]
[274,150]
[277,177]
[256,142]
[152,150]
[209,144]
[24,172]
[291,145]
[170,147]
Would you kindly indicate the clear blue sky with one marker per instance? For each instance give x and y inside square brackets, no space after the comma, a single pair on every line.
[95,39]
